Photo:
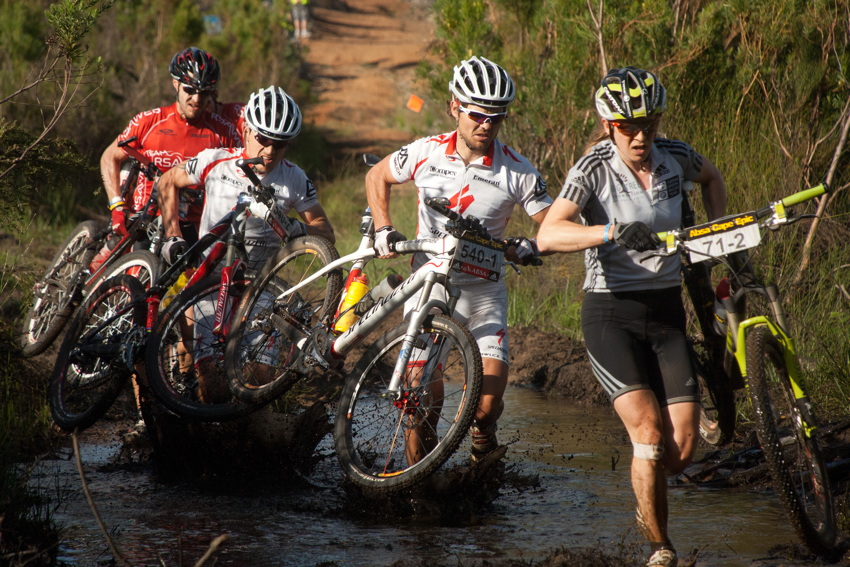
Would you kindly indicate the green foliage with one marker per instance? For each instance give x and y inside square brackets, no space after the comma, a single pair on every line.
[758,87]
[72,20]
[48,182]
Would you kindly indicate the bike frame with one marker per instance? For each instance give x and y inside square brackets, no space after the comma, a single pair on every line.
[737,331]
[437,271]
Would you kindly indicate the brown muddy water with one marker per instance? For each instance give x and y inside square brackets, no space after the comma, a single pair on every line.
[567,485]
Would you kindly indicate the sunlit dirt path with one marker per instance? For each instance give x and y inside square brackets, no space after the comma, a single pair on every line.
[361,59]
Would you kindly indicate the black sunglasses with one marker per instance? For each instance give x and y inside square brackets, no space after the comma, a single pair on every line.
[266,142]
[203,93]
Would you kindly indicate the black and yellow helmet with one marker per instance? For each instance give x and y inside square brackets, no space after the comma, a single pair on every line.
[630,93]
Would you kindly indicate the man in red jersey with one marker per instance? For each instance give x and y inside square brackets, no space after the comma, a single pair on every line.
[170,135]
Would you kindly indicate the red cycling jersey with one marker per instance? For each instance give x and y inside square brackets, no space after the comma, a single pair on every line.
[167,139]
[233,112]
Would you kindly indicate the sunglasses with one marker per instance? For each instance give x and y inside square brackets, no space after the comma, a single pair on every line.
[203,93]
[266,142]
[631,129]
[482,117]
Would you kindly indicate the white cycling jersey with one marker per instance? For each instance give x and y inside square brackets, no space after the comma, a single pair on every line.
[223,181]
[488,188]
[606,190]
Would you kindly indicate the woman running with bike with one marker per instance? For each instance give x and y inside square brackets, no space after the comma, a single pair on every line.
[628,186]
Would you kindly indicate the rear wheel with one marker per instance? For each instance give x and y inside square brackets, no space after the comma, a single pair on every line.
[707,350]
[387,441]
[786,432]
[262,347]
[185,355]
[55,294]
[96,355]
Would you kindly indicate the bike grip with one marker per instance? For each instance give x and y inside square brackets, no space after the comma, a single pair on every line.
[805,195]
[244,165]
[439,204]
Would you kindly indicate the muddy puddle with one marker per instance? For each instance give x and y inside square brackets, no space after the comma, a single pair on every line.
[566,484]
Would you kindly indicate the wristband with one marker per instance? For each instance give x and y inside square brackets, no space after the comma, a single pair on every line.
[116,202]
[388,227]
[605,239]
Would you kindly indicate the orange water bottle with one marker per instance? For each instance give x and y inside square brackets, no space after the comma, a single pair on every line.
[356,287]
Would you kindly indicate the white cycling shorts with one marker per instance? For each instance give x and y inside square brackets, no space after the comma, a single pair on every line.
[483,309]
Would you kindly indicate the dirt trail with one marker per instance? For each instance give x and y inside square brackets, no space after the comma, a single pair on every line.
[361,60]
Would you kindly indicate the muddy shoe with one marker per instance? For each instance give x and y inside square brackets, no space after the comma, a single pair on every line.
[663,558]
[483,440]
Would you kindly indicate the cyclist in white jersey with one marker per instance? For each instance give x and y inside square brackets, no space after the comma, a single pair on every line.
[481,177]
[272,119]
[627,187]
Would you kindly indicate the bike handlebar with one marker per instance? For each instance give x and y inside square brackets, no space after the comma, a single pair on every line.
[149,168]
[790,200]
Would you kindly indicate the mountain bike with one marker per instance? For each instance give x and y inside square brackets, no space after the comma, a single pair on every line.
[121,322]
[760,347]
[409,402]
[71,276]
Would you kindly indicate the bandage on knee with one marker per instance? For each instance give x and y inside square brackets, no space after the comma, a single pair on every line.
[648,452]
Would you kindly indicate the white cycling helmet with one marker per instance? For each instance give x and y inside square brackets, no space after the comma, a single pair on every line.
[630,93]
[273,113]
[481,82]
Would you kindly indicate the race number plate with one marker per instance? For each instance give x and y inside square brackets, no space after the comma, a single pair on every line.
[478,257]
[723,236]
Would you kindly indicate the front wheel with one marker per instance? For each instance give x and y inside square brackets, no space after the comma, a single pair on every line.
[94,360]
[185,354]
[790,446]
[387,441]
[261,348]
[55,294]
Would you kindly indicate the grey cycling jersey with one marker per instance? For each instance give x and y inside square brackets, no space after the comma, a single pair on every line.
[606,190]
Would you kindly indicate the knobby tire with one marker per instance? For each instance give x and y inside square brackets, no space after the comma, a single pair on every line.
[54,297]
[794,459]
[90,367]
[261,346]
[371,424]
[707,350]
[182,351]
[141,264]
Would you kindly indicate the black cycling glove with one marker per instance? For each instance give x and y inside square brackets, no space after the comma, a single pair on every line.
[636,236]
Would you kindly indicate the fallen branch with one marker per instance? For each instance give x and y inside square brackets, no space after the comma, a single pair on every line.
[79,461]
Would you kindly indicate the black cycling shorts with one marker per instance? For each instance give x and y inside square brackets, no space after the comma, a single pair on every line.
[636,340]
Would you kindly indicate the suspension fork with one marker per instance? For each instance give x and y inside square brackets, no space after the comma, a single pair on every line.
[792,363]
[417,319]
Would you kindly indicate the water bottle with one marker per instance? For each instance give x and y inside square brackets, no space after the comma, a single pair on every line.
[357,287]
[377,293]
[176,288]
[104,253]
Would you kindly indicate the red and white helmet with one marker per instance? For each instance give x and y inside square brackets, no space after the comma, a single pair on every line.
[481,82]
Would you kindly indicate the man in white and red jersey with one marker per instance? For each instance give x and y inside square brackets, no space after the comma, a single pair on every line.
[272,119]
[481,177]
[170,134]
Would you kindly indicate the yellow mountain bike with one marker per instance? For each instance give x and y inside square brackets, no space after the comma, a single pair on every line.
[760,349]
